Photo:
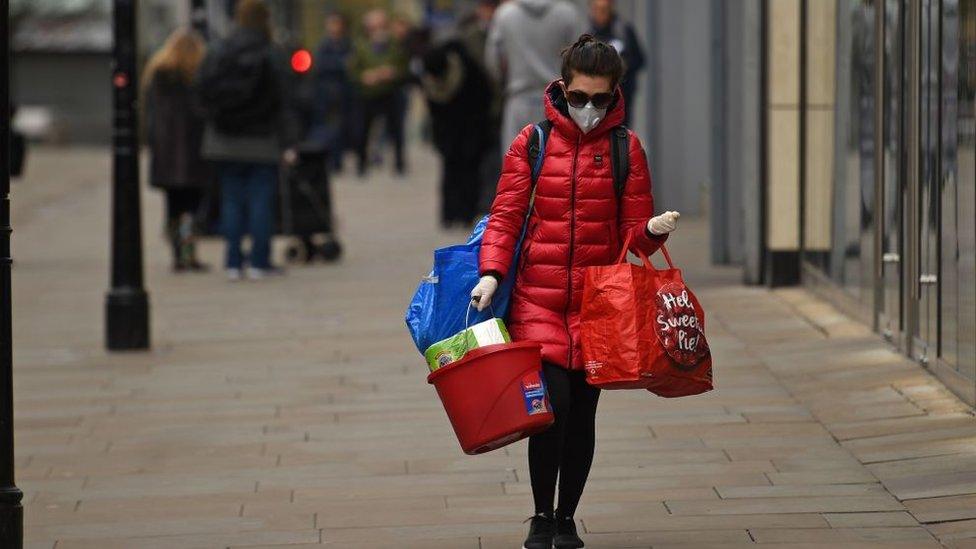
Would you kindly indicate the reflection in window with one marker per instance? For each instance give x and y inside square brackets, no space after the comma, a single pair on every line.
[958,190]
[848,259]
[852,245]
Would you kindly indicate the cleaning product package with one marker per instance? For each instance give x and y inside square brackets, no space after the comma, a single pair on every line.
[452,349]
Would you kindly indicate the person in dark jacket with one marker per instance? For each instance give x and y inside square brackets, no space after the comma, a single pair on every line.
[576,222]
[605,25]
[174,127]
[334,99]
[251,126]
[459,98]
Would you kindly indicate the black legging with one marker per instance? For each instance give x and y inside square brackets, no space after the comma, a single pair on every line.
[566,448]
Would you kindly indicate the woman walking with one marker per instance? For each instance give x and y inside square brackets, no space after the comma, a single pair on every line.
[174,127]
[577,221]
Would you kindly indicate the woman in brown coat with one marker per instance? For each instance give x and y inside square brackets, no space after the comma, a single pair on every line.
[174,125]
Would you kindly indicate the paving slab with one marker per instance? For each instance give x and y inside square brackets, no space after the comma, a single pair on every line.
[840,535]
[873,519]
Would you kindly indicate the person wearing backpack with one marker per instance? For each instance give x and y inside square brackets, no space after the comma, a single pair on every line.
[244,86]
[589,187]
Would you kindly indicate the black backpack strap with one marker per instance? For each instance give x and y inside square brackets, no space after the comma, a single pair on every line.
[620,158]
[537,147]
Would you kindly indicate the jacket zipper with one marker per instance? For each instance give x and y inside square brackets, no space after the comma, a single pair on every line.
[572,246]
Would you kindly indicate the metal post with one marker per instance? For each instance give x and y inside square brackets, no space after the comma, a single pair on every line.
[126,304]
[11,511]
[880,133]
[911,235]
[198,16]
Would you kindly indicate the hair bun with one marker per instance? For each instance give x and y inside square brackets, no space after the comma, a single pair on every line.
[585,38]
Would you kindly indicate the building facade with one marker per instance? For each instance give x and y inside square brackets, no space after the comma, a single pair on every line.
[847,133]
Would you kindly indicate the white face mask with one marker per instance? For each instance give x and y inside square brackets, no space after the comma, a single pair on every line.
[587,117]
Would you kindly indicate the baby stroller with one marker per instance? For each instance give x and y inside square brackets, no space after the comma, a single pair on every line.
[305,196]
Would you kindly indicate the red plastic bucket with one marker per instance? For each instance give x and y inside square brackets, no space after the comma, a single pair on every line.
[495,395]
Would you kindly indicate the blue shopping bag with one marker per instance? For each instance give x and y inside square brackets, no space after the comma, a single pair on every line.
[438,308]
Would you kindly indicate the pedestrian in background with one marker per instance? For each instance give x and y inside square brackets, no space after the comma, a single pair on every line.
[332,123]
[524,43]
[245,86]
[473,29]
[607,26]
[473,32]
[458,96]
[174,131]
[404,33]
[378,67]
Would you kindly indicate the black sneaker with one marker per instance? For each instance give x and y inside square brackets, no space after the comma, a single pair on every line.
[566,537]
[541,531]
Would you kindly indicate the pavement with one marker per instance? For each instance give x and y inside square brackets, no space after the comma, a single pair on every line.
[295,413]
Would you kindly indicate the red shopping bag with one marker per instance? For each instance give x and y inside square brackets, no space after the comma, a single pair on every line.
[642,328]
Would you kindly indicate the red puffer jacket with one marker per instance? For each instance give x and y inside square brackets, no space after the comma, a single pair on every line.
[575,224]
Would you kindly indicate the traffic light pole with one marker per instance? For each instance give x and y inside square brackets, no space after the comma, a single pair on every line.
[11,511]
[126,304]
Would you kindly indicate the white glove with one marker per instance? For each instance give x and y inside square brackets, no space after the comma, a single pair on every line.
[483,291]
[664,223]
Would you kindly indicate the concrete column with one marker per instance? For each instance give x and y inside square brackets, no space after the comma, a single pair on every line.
[681,137]
[736,215]
[782,185]
[821,38]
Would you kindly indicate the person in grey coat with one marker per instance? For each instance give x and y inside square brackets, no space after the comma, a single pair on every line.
[524,47]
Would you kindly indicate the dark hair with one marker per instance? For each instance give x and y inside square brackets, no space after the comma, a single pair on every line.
[592,57]
[253,15]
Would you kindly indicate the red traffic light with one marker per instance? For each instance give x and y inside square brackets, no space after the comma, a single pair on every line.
[120,80]
[301,61]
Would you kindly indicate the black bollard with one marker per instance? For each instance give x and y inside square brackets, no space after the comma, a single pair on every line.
[126,304]
[11,511]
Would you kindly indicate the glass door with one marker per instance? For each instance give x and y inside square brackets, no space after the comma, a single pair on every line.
[957,284]
[890,320]
[926,203]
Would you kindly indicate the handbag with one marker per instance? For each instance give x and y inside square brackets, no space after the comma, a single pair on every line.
[643,328]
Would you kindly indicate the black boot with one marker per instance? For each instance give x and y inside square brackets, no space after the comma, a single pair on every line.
[184,248]
[176,244]
[566,537]
[541,531]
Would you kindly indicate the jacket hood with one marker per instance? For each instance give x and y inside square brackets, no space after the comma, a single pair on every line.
[557,111]
[536,7]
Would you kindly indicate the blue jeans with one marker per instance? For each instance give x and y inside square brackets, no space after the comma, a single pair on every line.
[247,196]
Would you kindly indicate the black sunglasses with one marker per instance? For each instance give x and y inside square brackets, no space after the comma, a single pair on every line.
[579,99]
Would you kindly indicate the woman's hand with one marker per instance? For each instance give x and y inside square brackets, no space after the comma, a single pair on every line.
[664,223]
[483,291]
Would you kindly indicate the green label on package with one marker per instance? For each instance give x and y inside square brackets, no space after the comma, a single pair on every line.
[446,351]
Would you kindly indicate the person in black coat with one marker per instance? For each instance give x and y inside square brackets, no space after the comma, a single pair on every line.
[458,95]
[608,27]
[174,127]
